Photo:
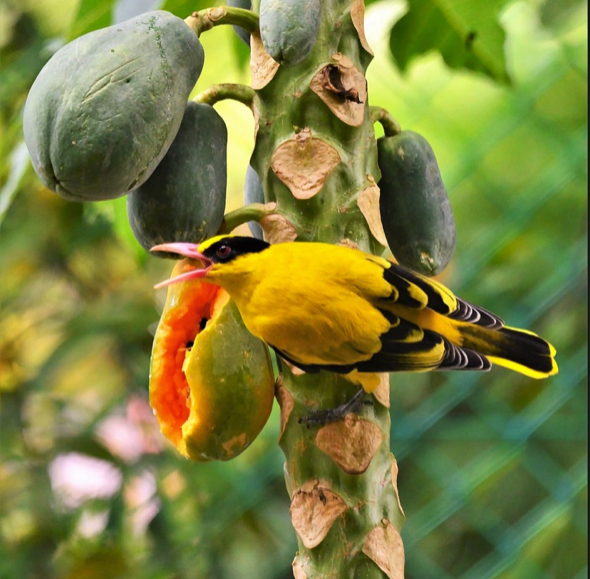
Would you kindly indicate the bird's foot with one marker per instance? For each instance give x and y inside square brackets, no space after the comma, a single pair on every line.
[322,417]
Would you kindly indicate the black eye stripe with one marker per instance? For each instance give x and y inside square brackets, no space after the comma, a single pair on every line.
[225,250]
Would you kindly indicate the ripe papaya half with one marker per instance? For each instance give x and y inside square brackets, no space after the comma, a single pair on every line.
[105,108]
[289,28]
[253,193]
[211,381]
[415,210]
[184,198]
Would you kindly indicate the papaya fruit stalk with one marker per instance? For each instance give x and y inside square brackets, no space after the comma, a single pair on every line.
[209,17]
[316,156]
[218,92]
[390,126]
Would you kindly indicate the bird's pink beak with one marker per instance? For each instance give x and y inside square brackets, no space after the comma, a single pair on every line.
[189,250]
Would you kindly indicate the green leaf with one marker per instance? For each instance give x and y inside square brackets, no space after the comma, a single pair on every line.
[465,32]
[556,13]
[92,15]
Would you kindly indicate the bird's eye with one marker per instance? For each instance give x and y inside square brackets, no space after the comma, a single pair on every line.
[223,251]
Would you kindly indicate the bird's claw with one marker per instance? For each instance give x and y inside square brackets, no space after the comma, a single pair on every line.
[323,417]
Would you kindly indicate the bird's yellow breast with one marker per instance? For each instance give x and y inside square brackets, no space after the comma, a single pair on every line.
[280,290]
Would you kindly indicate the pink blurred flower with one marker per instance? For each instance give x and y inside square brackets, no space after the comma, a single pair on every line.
[77,478]
[131,434]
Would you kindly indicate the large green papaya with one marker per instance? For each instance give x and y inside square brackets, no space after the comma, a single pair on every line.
[253,193]
[289,28]
[415,209]
[104,110]
[184,199]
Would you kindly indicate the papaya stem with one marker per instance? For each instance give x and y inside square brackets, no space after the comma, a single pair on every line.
[206,19]
[383,116]
[218,92]
[251,212]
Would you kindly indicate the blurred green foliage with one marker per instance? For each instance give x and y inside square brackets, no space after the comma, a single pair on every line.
[492,469]
[467,34]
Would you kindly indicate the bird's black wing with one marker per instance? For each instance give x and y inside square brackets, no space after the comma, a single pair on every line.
[407,348]
[416,291]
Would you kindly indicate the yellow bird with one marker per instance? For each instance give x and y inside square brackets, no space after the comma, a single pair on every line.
[327,307]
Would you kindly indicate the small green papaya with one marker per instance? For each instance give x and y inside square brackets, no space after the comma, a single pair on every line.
[415,210]
[184,199]
[253,193]
[289,28]
[246,5]
[105,108]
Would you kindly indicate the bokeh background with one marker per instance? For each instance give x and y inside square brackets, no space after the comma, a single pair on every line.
[493,468]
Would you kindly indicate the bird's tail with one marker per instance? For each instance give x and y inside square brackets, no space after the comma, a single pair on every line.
[518,350]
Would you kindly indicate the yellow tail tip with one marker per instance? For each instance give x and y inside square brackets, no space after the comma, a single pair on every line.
[524,369]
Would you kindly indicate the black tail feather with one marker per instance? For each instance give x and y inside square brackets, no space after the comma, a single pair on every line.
[516,349]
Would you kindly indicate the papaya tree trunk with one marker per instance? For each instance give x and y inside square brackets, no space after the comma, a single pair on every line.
[316,156]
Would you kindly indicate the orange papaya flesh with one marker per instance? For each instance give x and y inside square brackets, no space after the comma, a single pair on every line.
[187,305]
[211,384]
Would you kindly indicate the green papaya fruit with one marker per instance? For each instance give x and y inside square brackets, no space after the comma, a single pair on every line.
[415,209]
[246,5]
[253,193]
[184,199]
[106,107]
[289,28]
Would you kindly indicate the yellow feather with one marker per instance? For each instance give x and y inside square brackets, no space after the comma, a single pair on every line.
[523,369]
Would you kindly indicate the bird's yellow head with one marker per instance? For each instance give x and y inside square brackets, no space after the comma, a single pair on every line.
[212,253]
